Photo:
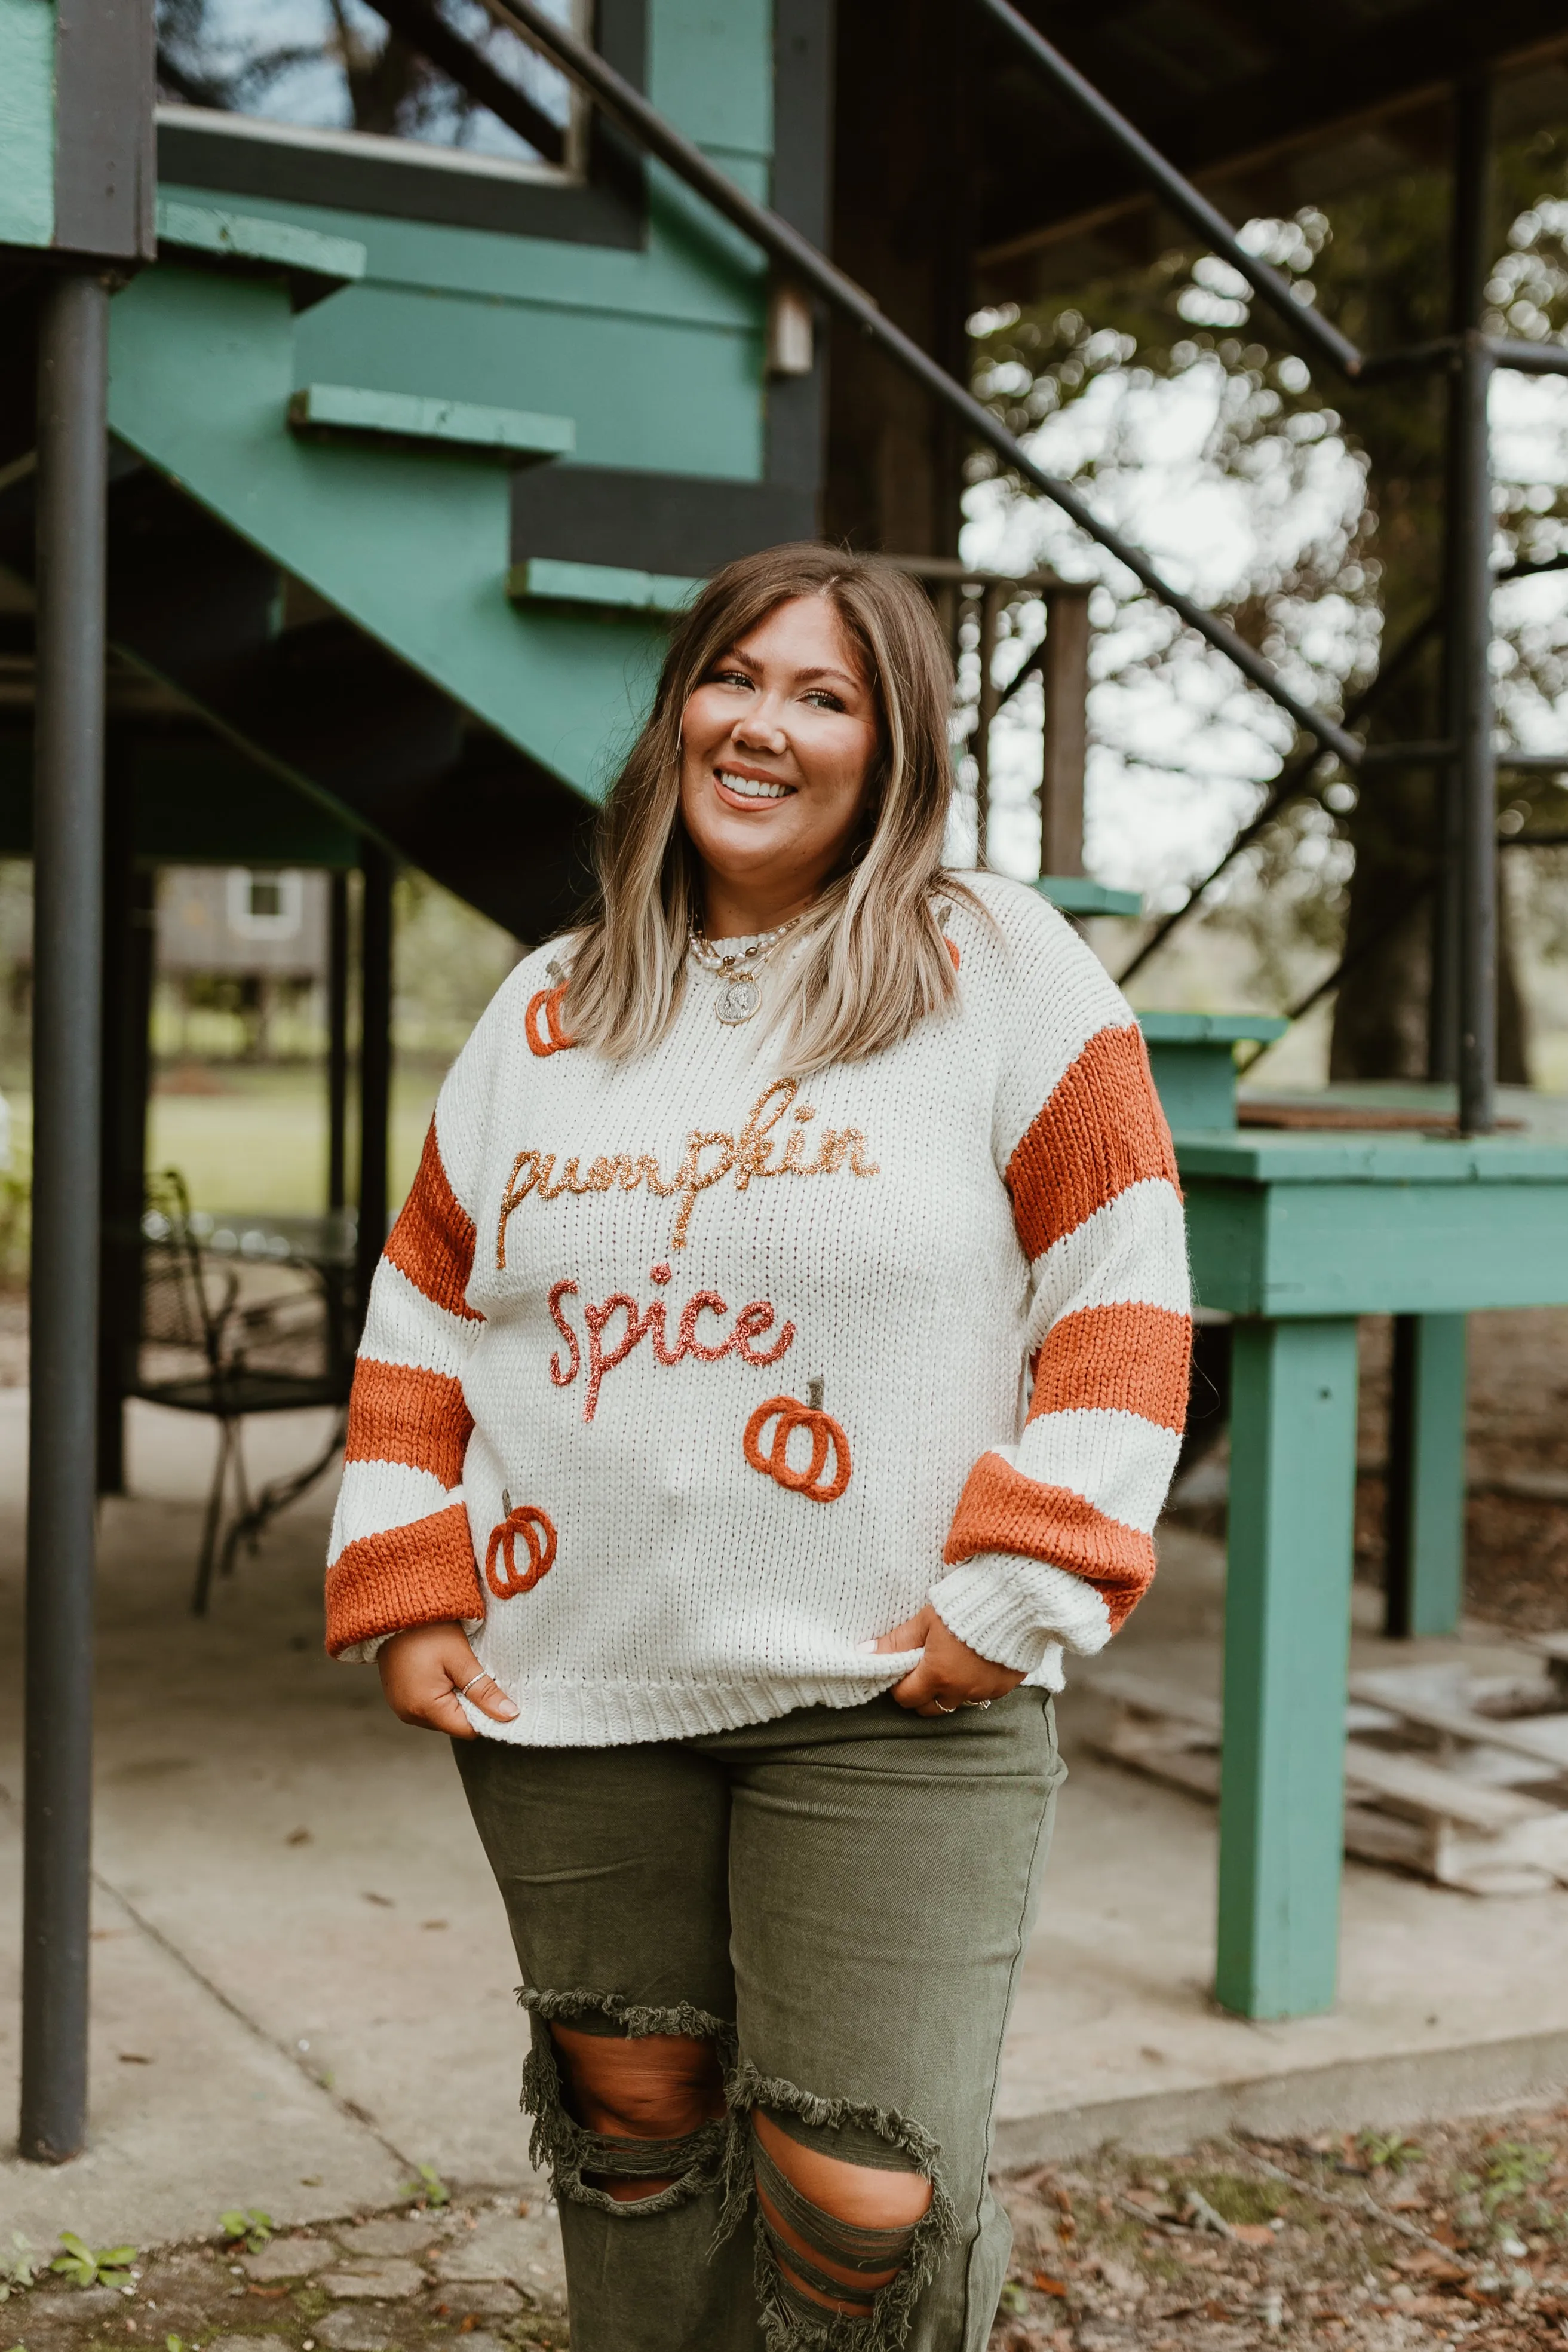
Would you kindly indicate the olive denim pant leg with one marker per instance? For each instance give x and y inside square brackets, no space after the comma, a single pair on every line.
[840,1901]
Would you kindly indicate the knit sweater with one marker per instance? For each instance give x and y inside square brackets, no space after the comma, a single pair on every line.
[682,1380]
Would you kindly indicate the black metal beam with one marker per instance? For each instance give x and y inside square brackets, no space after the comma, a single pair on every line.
[801,261]
[67,884]
[1470,843]
[337,1040]
[1306,328]
[375,1064]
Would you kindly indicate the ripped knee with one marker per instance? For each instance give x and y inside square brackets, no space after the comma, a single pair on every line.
[627,2103]
[850,2212]
[840,2231]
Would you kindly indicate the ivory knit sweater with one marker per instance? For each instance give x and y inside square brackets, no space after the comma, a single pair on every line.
[682,1380]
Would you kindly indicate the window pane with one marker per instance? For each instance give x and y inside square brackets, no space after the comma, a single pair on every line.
[335,65]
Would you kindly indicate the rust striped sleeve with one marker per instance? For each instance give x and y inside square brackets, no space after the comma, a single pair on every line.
[400,1552]
[1052,1537]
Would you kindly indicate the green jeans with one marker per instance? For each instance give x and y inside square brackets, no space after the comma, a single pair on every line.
[840,1900]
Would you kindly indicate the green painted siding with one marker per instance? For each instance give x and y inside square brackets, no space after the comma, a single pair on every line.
[668,394]
[26,123]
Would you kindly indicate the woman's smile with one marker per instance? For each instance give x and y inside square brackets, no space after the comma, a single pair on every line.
[748,788]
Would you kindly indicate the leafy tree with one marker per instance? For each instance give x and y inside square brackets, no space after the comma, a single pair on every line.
[1347,862]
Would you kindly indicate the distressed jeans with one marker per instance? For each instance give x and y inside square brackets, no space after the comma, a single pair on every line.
[840,1900]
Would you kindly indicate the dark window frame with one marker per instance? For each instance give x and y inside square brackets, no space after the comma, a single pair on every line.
[608,206]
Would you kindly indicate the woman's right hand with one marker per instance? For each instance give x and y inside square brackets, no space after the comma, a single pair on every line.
[423,1669]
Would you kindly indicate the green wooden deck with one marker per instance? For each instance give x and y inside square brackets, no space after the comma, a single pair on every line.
[1296,1235]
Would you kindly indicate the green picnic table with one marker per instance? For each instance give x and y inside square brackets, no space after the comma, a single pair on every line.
[1296,1235]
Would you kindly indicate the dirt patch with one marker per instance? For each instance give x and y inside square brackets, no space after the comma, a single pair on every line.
[1371,2242]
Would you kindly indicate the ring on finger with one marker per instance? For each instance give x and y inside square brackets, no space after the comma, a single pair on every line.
[483,1677]
[975,1702]
[942,1710]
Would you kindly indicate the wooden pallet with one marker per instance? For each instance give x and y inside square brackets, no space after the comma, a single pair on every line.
[1460,1778]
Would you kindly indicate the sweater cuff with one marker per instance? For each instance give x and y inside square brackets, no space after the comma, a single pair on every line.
[1011,1609]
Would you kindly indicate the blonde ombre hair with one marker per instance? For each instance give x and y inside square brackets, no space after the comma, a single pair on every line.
[870,960]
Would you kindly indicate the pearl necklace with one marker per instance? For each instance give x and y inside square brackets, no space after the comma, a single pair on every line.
[741,992]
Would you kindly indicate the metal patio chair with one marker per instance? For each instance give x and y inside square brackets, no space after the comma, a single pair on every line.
[214,1341]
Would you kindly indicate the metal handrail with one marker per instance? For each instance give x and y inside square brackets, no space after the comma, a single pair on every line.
[1306,326]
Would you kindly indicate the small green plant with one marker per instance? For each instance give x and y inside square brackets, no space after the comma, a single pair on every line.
[19,2269]
[1512,2168]
[177,2344]
[1014,2303]
[1387,2151]
[429,2189]
[243,2226]
[109,2266]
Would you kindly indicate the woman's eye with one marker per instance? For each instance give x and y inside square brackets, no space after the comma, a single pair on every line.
[731,677]
[823,699]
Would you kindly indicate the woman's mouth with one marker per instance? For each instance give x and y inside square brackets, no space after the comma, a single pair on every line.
[748,792]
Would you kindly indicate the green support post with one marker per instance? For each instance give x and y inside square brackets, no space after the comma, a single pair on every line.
[1286,1636]
[1425,1518]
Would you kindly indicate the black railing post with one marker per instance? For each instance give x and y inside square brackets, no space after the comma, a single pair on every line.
[1473,824]
[337,1040]
[375,1062]
[68,821]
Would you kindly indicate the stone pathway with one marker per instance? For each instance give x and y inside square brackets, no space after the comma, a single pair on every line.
[479,2274]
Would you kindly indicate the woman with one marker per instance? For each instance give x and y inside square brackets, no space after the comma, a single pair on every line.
[779,1361]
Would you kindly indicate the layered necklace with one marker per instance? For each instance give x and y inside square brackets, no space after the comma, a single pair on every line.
[737,965]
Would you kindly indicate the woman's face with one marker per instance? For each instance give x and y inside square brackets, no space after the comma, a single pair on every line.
[779,740]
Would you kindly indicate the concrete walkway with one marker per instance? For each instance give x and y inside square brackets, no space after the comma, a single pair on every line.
[304,1988]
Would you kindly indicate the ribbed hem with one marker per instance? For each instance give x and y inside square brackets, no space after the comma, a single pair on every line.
[1013,1609]
[624,1715]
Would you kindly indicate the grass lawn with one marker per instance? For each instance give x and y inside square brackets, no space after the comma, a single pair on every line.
[259,1139]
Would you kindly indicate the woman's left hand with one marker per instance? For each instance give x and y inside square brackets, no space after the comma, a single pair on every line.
[950,1674]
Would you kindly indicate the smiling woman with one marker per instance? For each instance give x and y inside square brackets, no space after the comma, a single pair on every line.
[782,785]
[689,1491]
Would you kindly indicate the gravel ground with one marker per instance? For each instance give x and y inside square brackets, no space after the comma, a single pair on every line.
[1455,2236]
[1375,2242]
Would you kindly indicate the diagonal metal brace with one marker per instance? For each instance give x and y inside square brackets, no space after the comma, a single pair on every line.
[1305,326]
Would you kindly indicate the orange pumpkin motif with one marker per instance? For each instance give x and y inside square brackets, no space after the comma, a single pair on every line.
[501,1571]
[827,1437]
[541,1022]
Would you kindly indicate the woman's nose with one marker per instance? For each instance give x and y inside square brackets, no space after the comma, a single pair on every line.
[763,726]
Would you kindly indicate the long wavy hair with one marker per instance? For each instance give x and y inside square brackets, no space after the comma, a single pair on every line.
[870,961]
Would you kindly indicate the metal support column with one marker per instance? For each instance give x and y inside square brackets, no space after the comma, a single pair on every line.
[337,1040]
[1287,1644]
[128,958]
[1064,680]
[375,1062]
[1473,822]
[989,610]
[1425,1588]
[67,819]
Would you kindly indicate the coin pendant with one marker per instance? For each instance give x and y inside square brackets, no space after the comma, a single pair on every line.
[738,999]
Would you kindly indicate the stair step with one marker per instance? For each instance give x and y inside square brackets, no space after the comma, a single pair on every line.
[517,435]
[546,580]
[315,265]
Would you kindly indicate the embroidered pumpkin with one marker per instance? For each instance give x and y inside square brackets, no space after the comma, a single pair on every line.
[501,1571]
[541,1022]
[827,1437]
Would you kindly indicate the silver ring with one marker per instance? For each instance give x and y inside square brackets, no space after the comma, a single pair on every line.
[942,1710]
[975,1702]
[484,1675]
